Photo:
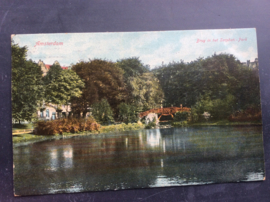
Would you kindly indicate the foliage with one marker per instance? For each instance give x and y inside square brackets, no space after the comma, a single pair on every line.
[103,80]
[102,112]
[121,127]
[127,113]
[54,72]
[218,108]
[64,86]
[180,124]
[145,92]
[132,67]
[250,114]
[219,83]
[27,86]
[143,88]
[68,125]
[180,116]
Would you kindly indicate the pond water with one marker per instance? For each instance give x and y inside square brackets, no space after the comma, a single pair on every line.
[138,159]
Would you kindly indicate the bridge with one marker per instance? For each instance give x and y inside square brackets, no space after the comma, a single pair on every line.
[167,111]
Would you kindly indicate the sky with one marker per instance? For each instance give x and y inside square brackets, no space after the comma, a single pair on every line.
[152,48]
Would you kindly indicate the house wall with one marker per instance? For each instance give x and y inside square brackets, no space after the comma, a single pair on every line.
[49,113]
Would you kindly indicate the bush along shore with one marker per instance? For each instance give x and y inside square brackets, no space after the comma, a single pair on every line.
[70,127]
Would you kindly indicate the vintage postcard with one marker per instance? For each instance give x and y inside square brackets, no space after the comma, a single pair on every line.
[125,110]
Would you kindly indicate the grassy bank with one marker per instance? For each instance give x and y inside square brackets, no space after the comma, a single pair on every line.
[20,138]
[28,138]
[22,128]
[121,127]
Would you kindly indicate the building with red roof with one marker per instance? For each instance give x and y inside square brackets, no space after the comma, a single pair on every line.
[45,67]
[50,111]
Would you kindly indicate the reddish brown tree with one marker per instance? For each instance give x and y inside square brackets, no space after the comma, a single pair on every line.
[103,79]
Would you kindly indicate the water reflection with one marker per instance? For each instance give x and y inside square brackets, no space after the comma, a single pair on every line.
[137,159]
[68,157]
[153,137]
[54,165]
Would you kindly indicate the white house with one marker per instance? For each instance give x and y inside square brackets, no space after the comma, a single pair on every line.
[51,111]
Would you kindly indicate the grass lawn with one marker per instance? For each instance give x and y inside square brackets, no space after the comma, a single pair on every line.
[27,138]
[17,126]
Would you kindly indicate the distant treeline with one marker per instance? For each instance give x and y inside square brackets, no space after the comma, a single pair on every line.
[219,84]
[120,90]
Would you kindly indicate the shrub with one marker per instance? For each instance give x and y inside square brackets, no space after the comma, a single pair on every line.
[127,113]
[180,124]
[102,112]
[180,116]
[68,125]
[122,127]
[249,114]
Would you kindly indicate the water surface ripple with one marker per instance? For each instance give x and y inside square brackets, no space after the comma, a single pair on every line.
[137,159]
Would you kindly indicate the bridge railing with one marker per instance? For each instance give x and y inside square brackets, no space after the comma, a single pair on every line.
[165,111]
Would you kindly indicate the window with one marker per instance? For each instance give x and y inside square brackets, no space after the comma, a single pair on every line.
[53,116]
[41,114]
[47,113]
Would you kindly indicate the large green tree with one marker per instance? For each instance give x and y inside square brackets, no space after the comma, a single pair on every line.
[63,86]
[143,88]
[132,67]
[127,113]
[103,80]
[145,92]
[102,112]
[54,72]
[27,86]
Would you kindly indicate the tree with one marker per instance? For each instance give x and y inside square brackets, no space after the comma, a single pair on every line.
[27,85]
[63,86]
[102,112]
[145,92]
[54,72]
[127,113]
[218,108]
[132,67]
[143,88]
[103,80]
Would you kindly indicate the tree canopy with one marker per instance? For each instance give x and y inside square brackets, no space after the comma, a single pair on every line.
[220,81]
[219,84]
[103,79]
[143,88]
[102,112]
[132,67]
[54,71]
[27,86]
[63,86]
[145,91]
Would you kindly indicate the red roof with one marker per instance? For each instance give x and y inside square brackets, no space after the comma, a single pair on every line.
[48,67]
